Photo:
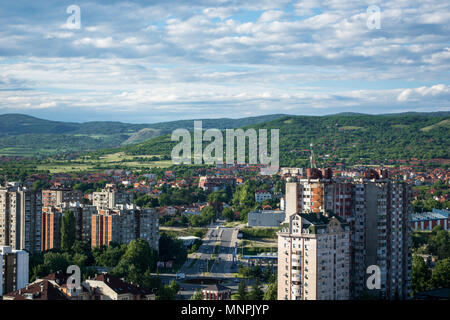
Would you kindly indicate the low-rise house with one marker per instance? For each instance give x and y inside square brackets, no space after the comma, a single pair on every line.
[262,195]
[192,211]
[101,287]
[108,287]
[188,240]
[216,292]
[428,220]
[39,290]
[265,218]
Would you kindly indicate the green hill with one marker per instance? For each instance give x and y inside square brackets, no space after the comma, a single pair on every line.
[348,138]
[26,135]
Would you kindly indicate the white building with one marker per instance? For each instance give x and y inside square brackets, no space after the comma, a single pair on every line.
[188,240]
[262,195]
[265,218]
[14,269]
[314,258]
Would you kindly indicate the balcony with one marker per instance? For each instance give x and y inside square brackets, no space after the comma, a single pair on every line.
[296,273]
[296,256]
[296,288]
[296,262]
[296,277]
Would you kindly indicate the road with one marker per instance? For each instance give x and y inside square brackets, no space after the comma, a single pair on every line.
[212,263]
[216,262]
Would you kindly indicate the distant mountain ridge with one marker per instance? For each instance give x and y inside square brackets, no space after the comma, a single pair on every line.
[27,135]
[342,137]
[348,138]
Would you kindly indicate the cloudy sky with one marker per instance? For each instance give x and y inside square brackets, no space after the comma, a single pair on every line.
[150,61]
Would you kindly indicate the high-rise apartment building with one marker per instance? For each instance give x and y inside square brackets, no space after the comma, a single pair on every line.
[382,208]
[52,219]
[20,218]
[55,197]
[314,258]
[13,269]
[124,224]
[109,197]
[377,209]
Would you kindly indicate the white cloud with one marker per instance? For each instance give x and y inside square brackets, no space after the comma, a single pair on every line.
[247,55]
[101,43]
[421,92]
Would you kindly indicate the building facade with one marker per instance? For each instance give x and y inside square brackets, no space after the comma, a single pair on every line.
[52,219]
[262,195]
[377,210]
[265,218]
[20,218]
[55,197]
[124,224]
[14,269]
[429,220]
[109,197]
[216,292]
[314,258]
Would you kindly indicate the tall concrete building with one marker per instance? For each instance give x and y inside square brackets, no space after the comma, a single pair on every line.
[52,220]
[13,268]
[55,197]
[382,210]
[20,218]
[377,209]
[109,197]
[314,258]
[124,224]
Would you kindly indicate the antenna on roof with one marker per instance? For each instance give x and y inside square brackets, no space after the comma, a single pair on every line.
[312,160]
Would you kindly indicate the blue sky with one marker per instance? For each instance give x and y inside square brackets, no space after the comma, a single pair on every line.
[151,61]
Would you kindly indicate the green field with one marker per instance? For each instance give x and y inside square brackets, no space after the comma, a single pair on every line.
[109,161]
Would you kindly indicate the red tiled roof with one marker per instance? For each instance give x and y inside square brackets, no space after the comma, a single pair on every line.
[118,285]
[40,290]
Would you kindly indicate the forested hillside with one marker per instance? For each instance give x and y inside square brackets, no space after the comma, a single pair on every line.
[25,135]
[345,138]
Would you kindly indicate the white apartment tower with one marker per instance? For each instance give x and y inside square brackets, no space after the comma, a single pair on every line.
[314,258]
[109,197]
[377,209]
[20,218]
[13,269]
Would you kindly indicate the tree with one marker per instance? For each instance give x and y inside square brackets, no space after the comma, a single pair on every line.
[256,293]
[196,296]
[217,196]
[109,256]
[138,258]
[171,249]
[55,261]
[242,293]
[68,231]
[149,282]
[439,243]
[83,248]
[441,274]
[420,275]
[228,214]
[168,292]
[79,259]
[271,293]
[38,185]
[269,276]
